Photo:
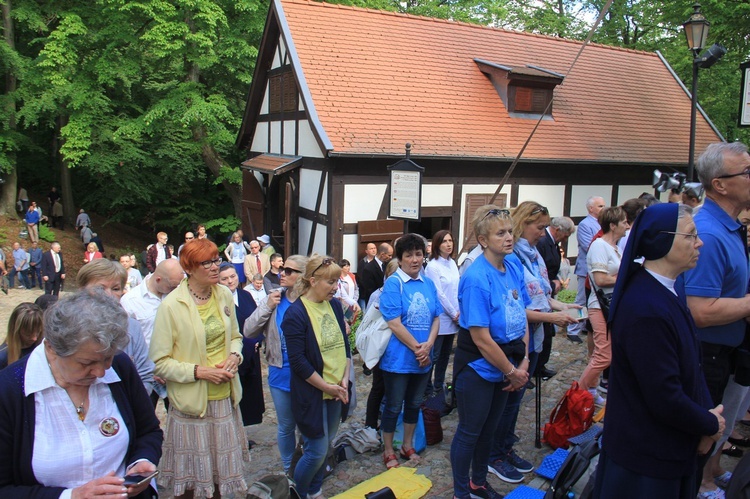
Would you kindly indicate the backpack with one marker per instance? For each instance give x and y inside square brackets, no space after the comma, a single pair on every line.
[273,487]
[572,415]
[582,460]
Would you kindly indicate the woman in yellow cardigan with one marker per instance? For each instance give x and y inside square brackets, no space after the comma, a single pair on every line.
[196,346]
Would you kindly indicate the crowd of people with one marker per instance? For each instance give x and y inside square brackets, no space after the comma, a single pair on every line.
[662,296]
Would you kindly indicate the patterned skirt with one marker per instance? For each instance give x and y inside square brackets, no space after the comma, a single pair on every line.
[201,452]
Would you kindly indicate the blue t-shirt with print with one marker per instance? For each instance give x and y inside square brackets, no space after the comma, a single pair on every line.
[417,306]
[496,300]
[281,377]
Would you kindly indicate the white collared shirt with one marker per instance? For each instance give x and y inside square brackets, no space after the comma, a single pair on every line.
[141,304]
[69,452]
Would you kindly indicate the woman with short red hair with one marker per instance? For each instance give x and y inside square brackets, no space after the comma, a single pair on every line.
[197,347]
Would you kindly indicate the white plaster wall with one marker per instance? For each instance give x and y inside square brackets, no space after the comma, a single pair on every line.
[264,103]
[475,189]
[437,195]
[349,250]
[362,202]
[282,46]
[276,60]
[275,137]
[305,226]
[308,145]
[551,196]
[626,192]
[260,139]
[324,201]
[580,193]
[301,104]
[289,137]
[321,236]
[308,188]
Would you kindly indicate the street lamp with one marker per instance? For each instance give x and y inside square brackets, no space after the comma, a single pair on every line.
[696,32]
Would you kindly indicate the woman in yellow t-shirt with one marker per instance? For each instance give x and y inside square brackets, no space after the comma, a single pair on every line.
[319,358]
[196,346]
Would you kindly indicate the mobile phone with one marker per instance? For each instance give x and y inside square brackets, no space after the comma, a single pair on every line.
[138,480]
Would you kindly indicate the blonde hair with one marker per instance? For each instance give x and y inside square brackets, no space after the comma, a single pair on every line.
[522,216]
[88,247]
[24,320]
[315,268]
[482,220]
[101,269]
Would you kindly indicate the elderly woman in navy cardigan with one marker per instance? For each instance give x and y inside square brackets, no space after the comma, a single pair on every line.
[319,358]
[74,415]
[660,418]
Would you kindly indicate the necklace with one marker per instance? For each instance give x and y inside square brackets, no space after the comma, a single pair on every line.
[210,291]
[79,410]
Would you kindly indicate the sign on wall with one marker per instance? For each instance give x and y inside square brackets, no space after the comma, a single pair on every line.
[745,99]
[405,189]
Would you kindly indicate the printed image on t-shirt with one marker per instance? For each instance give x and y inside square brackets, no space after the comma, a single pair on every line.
[330,334]
[214,334]
[515,315]
[419,315]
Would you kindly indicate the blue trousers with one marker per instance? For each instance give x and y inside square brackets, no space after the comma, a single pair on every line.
[308,474]
[480,404]
[285,425]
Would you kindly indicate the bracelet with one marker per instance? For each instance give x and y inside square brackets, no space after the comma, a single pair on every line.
[511,372]
[526,357]
[195,372]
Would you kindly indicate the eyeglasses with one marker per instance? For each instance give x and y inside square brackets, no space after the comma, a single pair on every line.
[744,173]
[541,209]
[497,212]
[207,264]
[693,235]
[289,271]
[325,263]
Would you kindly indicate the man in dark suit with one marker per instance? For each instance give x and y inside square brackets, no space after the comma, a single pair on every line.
[371,276]
[560,228]
[53,270]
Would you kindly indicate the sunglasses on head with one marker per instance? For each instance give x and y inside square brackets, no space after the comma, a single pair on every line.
[497,212]
[289,271]
[325,263]
[541,209]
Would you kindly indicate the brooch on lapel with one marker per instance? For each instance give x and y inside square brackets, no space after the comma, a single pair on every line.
[109,427]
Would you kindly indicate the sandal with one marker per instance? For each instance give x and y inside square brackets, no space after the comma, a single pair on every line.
[742,442]
[390,458]
[410,455]
[732,451]
[722,481]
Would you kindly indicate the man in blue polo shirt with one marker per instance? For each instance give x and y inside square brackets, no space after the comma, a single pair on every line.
[717,287]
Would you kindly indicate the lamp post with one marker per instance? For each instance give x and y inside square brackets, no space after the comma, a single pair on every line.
[696,32]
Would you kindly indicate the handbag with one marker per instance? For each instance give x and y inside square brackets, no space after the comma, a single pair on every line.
[373,335]
[604,299]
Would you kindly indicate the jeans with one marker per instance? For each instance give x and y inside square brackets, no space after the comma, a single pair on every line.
[441,354]
[480,404]
[285,431]
[23,277]
[308,474]
[402,389]
[505,437]
[375,398]
[35,273]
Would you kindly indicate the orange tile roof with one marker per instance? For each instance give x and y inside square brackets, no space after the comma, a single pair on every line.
[380,79]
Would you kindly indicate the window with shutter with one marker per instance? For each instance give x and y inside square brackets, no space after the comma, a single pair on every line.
[473,202]
[282,92]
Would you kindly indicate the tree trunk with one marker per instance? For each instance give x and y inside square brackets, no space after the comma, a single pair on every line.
[211,158]
[9,188]
[66,188]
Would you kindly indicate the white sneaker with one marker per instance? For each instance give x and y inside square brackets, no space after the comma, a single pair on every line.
[598,399]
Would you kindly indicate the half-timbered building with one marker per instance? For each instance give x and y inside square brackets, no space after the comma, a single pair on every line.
[338,91]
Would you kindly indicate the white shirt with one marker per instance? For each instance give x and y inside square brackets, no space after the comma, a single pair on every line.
[444,274]
[161,253]
[134,279]
[602,257]
[69,452]
[258,295]
[347,291]
[141,305]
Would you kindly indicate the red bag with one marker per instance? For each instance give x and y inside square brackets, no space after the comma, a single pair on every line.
[571,416]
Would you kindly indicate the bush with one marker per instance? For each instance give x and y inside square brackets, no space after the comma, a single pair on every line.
[46,234]
[566,296]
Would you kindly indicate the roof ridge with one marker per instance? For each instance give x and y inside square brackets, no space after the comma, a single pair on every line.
[322,4]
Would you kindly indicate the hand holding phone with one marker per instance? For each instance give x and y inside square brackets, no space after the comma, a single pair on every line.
[138,480]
